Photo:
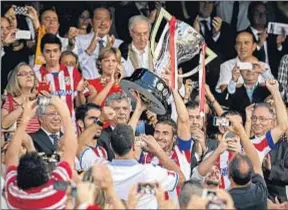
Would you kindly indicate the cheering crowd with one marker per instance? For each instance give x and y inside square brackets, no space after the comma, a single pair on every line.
[72,139]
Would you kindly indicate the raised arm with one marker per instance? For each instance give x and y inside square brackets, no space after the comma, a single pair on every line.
[69,139]
[216,106]
[101,96]
[248,147]
[282,120]
[183,126]
[12,153]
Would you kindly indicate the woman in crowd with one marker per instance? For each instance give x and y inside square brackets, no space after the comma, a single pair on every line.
[21,88]
[84,22]
[111,72]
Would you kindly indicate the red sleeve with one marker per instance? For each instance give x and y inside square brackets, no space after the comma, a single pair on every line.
[76,77]
[96,84]
[6,105]
[62,172]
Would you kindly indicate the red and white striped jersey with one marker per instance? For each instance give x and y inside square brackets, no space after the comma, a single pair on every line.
[37,197]
[180,154]
[63,83]
[91,155]
[263,145]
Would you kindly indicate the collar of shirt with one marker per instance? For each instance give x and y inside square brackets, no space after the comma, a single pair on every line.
[208,19]
[138,51]
[129,162]
[48,133]
[255,32]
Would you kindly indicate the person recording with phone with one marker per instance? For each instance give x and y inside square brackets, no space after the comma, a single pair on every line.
[250,92]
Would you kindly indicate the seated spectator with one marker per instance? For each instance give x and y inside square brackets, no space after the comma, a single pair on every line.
[84,21]
[88,46]
[111,73]
[21,87]
[122,142]
[250,92]
[245,46]
[269,46]
[69,58]
[283,76]
[29,174]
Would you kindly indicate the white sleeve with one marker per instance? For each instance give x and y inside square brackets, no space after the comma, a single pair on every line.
[87,158]
[167,179]
[196,176]
[225,76]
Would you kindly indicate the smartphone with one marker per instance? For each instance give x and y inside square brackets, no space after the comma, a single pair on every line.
[23,34]
[214,201]
[229,135]
[245,66]
[221,121]
[19,10]
[147,188]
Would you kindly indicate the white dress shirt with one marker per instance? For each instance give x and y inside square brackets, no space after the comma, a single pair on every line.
[224,9]
[226,73]
[88,62]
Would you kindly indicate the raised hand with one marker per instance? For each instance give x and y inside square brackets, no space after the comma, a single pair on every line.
[29,111]
[216,23]
[235,73]
[272,85]
[107,114]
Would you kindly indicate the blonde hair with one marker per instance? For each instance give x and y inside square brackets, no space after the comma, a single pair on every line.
[13,87]
[105,52]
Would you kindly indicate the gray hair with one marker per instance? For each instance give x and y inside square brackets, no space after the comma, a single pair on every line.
[138,18]
[267,106]
[117,97]
[188,189]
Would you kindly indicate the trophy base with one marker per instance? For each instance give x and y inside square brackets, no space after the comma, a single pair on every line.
[152,102]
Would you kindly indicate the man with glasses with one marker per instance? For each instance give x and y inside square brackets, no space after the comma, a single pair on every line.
[266,129]
[269,47]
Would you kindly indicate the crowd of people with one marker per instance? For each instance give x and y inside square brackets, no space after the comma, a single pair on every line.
[73,139]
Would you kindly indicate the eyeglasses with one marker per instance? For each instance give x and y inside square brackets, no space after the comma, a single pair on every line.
[261,118]
[25,73]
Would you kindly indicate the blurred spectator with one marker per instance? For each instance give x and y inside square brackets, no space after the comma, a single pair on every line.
[234,13]
[21,88]
[283,76]
[88,46]
[269,47]
[70,59]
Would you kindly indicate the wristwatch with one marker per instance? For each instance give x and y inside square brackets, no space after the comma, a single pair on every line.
[98,122]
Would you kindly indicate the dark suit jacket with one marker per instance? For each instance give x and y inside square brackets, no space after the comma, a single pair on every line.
[274,55]
[240,100]
[42,142]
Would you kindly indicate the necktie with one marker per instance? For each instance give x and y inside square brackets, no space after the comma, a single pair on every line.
[234,19]
[206,32]
[261,53]
[55,139]
[101,45]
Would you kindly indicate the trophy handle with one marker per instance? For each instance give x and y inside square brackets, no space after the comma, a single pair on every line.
[211,55]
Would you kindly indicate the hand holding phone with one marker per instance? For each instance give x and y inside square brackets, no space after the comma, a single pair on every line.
[147,188]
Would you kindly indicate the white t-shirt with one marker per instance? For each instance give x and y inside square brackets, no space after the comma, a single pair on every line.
[126,173]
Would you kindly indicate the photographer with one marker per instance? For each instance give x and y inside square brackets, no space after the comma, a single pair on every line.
[30,171]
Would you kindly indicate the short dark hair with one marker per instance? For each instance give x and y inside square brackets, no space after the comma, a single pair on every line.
[45,9]
[102,6]
[251,10]
[168,121]
[81,111]
[49,38]
[32,171]
[192,105]
[248,32]
[230,112]
[122,139]
[239,176]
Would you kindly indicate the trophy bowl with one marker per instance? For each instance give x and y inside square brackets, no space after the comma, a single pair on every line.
[153,90]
